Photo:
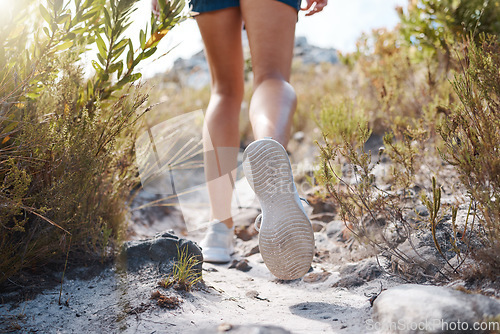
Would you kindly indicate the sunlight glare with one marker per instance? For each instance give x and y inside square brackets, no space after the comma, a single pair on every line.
[6,6]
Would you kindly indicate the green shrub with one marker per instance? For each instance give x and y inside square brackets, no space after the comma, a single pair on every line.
[66,143]
[472,142]
[436,25]
[403,92]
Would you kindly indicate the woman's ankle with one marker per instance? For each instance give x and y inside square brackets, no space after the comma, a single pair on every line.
[228,222]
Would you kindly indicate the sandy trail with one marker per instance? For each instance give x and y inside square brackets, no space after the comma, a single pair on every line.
[119,301]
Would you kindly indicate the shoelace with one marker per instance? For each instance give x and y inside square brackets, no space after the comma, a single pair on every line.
[258,220]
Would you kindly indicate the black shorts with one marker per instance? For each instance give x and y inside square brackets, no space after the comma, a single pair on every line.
[201,6]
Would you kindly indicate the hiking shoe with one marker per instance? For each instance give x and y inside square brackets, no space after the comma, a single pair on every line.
[286,239]
[217,245]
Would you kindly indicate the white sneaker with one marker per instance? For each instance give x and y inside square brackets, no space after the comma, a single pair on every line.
[217,245]
[286,238]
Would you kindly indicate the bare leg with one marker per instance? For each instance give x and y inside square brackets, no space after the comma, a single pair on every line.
[271,29]
[221,33]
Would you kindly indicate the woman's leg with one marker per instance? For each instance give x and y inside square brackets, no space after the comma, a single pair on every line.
[270,27]
[221,33]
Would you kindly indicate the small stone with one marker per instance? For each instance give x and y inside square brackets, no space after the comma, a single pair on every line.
[316,277]
[317,226]
[349,282]
[252,294]
[299,136]
[245,233]
[324,216]
[254,250]
[334,227]
[241,265]
[224,327]
[421,210]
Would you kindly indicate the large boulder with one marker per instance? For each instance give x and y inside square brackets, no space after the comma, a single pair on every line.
[413,308]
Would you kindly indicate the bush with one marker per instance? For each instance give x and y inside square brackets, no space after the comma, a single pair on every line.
[404,92]
[435,25]
[472,143]
[66,143]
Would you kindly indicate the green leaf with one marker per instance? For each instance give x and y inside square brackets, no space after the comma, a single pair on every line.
[101,46]
[120,44]
[96,66]
[142,38]
[120,69]
[64,46]
[58,5]
[45,14]
[115,67]
[70,36]
[79,31]
[101,59]
[32,95]
[63,18]
[138,59]
[104,77]
[150,52]
[10,127]
[130,55]
[107,18]
[135,76]
[118,52]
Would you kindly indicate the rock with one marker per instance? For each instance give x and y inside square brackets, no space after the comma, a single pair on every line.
[299,136]
[421,210]
[323,216]
[255,294]
[412,308]
[317,225]
[422,258]
[334,227]
[241,265]
[244,329]
[348,282]
[254,250]
[353,275]
[160,251]
[248,248]
[310,54]
[245,233]
[366,269]
[316,277]
[395,233]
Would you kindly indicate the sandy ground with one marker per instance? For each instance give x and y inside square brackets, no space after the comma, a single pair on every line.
[117,301]
[120,302]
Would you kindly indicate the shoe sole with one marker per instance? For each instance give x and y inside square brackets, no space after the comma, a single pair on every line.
[286,238]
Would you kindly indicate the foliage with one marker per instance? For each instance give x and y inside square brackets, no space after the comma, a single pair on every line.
[434,25]
[376,216]
[402,80]
[66,143]
[184,273]
[472,140]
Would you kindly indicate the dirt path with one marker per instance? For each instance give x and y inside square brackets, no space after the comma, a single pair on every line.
[118,301]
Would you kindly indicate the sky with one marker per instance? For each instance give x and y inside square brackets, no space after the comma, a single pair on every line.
[338,26]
